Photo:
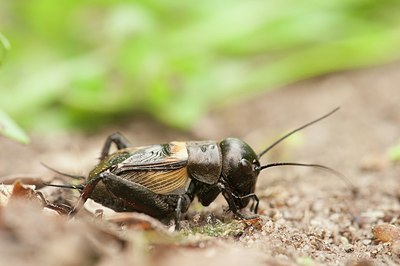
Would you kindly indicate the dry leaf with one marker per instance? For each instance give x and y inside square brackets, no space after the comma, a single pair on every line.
[256,223]
[20,191]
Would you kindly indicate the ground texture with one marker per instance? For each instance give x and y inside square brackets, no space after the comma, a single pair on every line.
[307,216]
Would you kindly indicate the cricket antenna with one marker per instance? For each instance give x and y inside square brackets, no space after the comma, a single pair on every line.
[323,167]
[79,187]
[77,177]
[295,130]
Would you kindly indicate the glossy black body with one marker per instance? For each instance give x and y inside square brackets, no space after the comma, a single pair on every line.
[162,180]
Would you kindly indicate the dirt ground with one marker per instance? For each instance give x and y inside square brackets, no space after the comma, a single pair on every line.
[307,216]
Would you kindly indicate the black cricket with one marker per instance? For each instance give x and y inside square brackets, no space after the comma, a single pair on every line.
[162,180]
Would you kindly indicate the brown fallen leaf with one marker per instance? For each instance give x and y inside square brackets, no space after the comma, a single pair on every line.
[23,192]
[31,238]
[256,223]
[20,191]
[386,232]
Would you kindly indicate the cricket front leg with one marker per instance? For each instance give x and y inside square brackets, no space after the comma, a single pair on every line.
[254,204]
[229,197]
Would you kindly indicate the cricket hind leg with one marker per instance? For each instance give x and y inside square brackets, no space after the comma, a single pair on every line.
[118,139]
[135,196]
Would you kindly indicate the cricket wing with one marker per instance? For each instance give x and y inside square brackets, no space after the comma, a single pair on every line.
[160,168]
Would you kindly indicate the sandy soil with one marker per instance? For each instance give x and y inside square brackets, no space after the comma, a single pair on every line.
[307,216]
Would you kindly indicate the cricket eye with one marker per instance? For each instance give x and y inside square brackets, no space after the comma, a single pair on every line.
[246,166]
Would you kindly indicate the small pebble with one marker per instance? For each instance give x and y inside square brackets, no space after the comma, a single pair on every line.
[375,162]
[361,262]
[366,242]
[386,232]
[348,248]
[395,248]
[344,240]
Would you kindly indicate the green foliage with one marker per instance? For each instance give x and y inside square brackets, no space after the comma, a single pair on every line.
[5,46]
[217,229]
[11,130]
[305,261]
[86,63]
[394,153]
[8,127]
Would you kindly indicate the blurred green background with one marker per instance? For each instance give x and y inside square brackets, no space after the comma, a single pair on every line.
[70,64]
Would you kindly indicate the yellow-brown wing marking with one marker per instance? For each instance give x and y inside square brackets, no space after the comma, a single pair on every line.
[160,182]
